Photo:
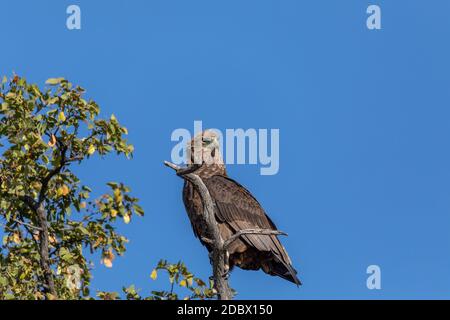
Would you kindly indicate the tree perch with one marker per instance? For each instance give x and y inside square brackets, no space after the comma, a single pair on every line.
[219,257]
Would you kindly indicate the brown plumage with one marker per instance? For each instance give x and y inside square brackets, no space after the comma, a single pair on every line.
[236,209]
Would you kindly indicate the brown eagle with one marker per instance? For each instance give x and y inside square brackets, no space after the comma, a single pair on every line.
[236,209]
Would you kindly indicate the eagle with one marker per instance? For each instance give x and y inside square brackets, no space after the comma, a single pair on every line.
[235,209]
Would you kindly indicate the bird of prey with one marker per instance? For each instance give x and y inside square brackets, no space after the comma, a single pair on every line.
[236,209]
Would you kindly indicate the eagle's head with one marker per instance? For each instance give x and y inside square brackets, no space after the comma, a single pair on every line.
[204,149]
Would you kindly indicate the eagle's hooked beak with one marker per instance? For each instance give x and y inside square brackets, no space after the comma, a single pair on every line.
[212,144]
[215,143]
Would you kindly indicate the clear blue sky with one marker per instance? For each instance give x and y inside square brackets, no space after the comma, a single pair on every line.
[363,117]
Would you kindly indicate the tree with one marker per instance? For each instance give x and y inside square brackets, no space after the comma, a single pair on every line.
[43,134]
[48,218]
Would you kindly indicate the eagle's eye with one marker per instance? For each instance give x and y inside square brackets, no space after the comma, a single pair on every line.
[207,141]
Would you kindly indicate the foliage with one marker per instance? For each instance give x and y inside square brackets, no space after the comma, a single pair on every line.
[179,277]
[49,220]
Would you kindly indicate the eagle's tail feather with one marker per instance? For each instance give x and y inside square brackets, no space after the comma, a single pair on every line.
[284,270]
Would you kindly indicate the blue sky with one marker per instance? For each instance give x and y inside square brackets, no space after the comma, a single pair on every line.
[363,116]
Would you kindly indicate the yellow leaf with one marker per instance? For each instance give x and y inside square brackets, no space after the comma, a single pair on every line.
[53,100]
[65,190]
[16,238]
[189,281]
[113,213]
[52,141]
[51,240]
[38,295]
[36,185]
[91,149]
[62,116]
[107,262]
[154,274]
[183,283]
[118,195]
[82,205]
[108,259]
[126,218]
[50,296]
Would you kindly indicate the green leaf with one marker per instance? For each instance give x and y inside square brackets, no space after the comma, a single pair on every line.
[3,281]
[138,209]
[53,101]
[65,254]
[54,81]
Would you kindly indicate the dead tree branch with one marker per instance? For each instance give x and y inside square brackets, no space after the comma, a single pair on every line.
[219,256]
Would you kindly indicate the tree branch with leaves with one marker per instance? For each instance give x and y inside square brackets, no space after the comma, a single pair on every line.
[48,217]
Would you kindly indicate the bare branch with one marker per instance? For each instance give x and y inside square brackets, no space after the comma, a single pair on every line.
[181,172]
[219,254]
[27,225]
[172,165]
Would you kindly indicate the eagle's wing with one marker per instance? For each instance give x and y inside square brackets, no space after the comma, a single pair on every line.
[237,207]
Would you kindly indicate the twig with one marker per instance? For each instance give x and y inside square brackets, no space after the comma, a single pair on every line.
[27,224]
[172,165]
